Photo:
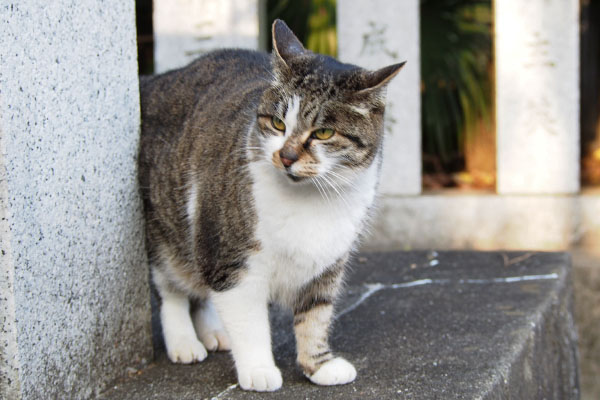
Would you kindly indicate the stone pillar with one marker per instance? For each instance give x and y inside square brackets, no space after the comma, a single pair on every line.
[74,297]
[537,95]
[373,34]
[185,29]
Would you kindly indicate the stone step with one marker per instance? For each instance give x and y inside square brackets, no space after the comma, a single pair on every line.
[419,325]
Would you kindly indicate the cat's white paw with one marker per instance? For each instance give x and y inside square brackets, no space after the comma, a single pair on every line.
[260,379]
[185,350]
[215,340]
[337,371]
[209,328]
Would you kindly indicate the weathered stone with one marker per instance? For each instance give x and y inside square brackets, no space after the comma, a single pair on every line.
[537,95]
[459,220]
[586,283]
[420,325]
[373,34]
[185,29]
[74,310]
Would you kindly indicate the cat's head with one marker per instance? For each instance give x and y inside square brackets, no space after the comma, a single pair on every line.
[320,118]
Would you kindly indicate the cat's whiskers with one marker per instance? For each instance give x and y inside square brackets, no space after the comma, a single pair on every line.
[347,169]
[342,178]
[253,151]
[322,189]
[327,188]
[246,149]
[256,154]
[242,152]
[343,186]
[337,189]
[270,73]
[316,183]
[269,81]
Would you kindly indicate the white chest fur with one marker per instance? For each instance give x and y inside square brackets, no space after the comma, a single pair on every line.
[300,230]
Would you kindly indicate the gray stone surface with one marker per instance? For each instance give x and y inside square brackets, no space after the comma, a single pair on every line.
[586,284]
[419,325]
[74,303]
[185,29]
[485,221]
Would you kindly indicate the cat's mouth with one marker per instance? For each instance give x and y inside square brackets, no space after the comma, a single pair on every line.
[295,178]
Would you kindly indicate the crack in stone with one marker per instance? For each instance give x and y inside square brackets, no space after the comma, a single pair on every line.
[373,288]
[224,392]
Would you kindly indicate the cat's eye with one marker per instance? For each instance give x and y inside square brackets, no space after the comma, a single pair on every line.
[278,124]
[323,133]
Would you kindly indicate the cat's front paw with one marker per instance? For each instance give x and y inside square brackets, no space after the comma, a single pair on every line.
[185,350]
[260,379]
[337,371]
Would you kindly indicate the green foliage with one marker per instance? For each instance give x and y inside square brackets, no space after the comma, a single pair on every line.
[293,12]
[456,54]
[313,22]
[322,36]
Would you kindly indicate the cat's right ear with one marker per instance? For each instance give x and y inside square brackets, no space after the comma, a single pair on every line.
[286,45]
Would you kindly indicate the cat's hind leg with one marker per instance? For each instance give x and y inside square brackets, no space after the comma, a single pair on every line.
[209,328]
[180,337]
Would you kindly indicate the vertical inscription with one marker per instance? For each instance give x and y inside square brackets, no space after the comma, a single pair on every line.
[540,63]
[374,41]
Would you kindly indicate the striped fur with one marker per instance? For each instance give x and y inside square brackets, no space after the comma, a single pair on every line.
[313,312]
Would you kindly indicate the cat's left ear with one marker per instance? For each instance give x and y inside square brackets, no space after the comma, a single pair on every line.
[377,79]
[285,44]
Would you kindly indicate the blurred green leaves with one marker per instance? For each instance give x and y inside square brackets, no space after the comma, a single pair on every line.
[322,35]
[456,56]
[313,22]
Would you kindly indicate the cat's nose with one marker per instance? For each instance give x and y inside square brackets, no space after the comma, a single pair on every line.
[288,157]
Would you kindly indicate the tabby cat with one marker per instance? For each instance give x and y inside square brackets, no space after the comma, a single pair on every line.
[258,173]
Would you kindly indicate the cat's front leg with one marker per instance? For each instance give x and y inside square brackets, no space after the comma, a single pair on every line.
[244,312]
[312,319]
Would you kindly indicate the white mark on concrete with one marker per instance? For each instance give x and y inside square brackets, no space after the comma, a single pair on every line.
[420,282]
[373,288]
[224,392]
[432,257]
[511,279]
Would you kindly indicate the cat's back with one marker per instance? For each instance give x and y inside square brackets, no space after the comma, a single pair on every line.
[190,164]
[224,76]
[202,108]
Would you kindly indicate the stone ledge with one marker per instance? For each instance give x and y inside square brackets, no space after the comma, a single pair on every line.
[475,220]
[420,325]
